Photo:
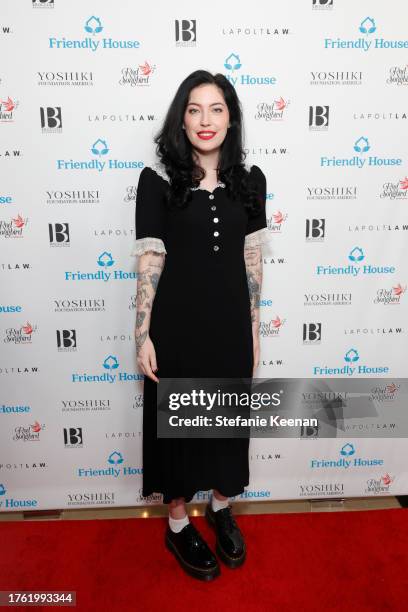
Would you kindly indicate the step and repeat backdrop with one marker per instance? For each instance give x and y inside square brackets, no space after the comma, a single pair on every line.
[84,87]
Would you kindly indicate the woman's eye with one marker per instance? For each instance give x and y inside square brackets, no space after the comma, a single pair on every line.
[194,110]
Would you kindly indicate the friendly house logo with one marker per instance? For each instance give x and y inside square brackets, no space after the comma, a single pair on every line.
[233,64]
[7,502]
[351,367]
[356,256]
[361,146]
[112,374]
[93,28]
[104,261]
[101,160]
[366,41]
[116,468]
[348,459]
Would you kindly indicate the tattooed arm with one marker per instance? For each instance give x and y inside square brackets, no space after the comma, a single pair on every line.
[253,264]
[150,266]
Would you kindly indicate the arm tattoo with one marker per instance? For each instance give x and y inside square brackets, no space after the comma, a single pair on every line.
[253,263]
[149,271]
[140,317]
[140,340]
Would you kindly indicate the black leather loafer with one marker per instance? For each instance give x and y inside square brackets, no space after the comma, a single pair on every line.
[192,552]
[230,545]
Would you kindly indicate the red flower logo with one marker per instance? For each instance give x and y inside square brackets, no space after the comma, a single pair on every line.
[28,328]
[9,104]
[145,68]
[19,221]
[399,290]
[36,427]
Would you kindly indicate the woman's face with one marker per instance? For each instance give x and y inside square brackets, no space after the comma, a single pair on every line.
[206,118]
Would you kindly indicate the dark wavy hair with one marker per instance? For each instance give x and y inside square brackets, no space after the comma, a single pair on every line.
[174,148]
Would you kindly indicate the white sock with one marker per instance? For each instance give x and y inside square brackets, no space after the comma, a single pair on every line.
[218,504]
[177,525]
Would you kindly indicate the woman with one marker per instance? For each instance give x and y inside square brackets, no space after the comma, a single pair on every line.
[200,228]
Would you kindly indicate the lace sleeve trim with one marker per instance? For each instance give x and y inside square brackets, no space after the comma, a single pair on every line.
[159,168]
[142,245]
[261,238]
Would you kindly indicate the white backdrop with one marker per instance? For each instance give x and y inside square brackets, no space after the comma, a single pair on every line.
[82,93]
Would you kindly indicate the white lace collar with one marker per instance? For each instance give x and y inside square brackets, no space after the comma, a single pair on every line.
[160,169]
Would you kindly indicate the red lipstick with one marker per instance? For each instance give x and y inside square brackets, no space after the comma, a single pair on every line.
[206,134]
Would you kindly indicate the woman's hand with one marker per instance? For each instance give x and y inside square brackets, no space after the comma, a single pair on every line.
[257,350]
[146,356]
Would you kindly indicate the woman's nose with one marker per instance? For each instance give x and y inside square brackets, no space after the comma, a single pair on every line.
[205,119]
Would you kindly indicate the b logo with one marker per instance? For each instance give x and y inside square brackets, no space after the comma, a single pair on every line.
[319,117]
[186,32]
[59,233]
[51,118]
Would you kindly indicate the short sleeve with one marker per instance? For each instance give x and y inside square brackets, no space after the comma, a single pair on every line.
[257,232]
[149,214]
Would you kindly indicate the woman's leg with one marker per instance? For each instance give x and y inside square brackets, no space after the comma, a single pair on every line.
[187,544]
[219,495]
[178,517]
[177,508]
[218,501]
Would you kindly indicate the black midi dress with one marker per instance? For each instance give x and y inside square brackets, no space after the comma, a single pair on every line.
[200,323]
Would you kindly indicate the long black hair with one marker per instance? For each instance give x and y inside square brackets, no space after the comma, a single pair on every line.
[174,148]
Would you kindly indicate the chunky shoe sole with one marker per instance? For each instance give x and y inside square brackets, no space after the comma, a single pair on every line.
[195,572]
[231,562]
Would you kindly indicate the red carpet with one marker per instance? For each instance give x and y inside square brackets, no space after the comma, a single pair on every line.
[314,561]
